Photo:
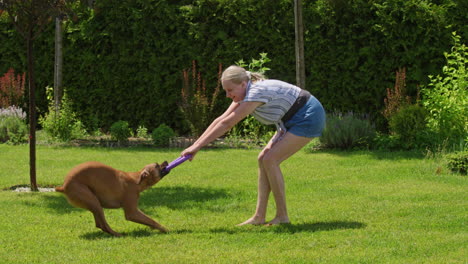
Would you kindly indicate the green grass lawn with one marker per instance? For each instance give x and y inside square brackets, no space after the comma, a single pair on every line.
[345,207]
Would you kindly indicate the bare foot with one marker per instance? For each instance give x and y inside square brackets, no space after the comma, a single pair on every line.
[253,221]
[278,221]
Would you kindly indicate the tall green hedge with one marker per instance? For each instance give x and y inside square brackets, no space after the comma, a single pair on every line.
[124,59]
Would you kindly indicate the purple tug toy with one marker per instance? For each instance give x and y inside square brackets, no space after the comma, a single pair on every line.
[174,164]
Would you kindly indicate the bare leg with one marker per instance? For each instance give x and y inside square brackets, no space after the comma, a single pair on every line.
[270,178]
[262,198]
[263,191]
[279,152]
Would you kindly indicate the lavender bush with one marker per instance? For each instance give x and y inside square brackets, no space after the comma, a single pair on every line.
[12,111]
[13,128]
[347,131]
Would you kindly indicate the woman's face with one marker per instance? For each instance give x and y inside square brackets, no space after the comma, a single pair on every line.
[235,91]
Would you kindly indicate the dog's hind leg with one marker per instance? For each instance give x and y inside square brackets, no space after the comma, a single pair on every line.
[81,196]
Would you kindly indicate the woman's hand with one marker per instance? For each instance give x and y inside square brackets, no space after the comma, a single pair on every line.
[192,150]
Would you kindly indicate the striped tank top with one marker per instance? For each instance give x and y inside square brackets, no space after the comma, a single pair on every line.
[277,96]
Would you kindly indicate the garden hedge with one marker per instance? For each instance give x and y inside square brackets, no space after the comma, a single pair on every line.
[123,60]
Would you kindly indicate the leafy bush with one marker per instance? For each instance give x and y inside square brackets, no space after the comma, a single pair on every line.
[162,135]
[12,130]
[396,97]
[198,102]
[388,142]
[11,88]
[409,124]
[346,132]
[458,162]
[142,132]
[250,129]
[63,124]
[256,65]
[120,131]
[446,97]
[13,111]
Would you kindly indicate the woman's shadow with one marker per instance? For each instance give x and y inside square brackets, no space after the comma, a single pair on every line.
[297,228]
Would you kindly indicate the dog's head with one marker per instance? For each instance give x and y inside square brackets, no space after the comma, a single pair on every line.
[151,174]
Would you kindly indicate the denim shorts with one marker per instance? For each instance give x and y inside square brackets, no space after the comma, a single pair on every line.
[309,121]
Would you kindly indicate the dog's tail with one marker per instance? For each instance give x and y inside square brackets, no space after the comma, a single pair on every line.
[59,189]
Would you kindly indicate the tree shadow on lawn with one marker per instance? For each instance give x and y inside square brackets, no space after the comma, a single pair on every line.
[176,198]
[295,228]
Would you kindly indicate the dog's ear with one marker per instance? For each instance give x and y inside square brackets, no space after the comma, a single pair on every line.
[143,175]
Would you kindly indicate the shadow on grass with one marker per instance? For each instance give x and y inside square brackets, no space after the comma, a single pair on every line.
[294,228]
[176,198]
[284,228]
[379,154]
[99,235]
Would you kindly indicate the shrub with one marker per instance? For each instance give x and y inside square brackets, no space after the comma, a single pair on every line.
[120,131]
[397,97]
[250,129]
[11,88]
[198,102]
[387,142]
[13,111]
[62,124]
[12,130]
[256,65]
[142,132]
[162,135]
[409,124]
[446,97]
[458,162]
[346,132]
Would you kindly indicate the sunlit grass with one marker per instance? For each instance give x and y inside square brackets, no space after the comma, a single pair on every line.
[345,207]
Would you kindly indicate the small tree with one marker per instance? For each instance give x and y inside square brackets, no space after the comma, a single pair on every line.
[30,18]
[299,43]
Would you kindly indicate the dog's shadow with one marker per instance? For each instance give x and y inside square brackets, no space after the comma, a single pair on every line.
[99,235]
[295,228]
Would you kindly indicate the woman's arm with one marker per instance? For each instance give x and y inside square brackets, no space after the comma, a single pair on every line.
[234,114]
[216,121]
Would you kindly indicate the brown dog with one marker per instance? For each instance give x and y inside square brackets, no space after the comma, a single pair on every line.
[94,186]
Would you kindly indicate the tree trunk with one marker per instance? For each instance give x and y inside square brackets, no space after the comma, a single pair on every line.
[32,112]
[299,32]
[58,65]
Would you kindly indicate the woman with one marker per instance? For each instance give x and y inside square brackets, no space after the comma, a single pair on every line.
[299,117]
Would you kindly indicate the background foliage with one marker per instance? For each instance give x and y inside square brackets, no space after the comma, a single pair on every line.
[446,97]
[124,60]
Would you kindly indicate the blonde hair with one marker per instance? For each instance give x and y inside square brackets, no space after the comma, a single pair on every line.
[238,74]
